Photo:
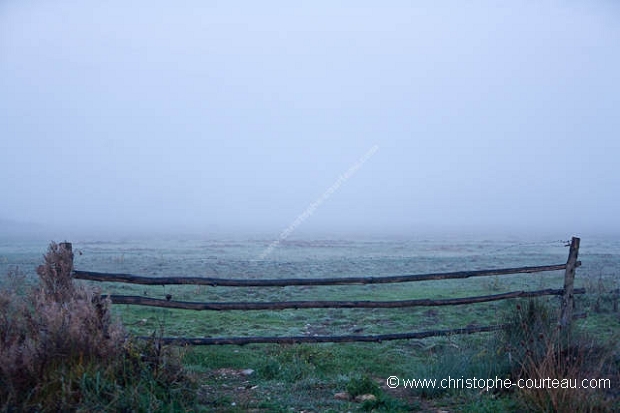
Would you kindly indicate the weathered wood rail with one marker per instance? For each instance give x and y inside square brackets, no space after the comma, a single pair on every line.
[567,293]
[282,305]
[289,282]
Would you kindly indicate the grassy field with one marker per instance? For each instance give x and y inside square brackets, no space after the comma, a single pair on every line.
[340,377]
[307,377]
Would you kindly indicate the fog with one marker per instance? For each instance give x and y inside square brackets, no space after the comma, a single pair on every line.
[323,118]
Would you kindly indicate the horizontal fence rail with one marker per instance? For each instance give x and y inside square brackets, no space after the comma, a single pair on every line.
[281,305]
[324,339]
[567,293]
[288,282]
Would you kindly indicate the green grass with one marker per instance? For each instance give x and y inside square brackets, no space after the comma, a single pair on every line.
[324,321]
[306,377]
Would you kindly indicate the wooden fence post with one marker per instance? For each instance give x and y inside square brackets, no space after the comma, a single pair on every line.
[568,301]
[67,246]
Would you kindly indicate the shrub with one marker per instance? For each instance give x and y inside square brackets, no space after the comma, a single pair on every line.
[528,325]
[55,273]
[541,350]
[60,348]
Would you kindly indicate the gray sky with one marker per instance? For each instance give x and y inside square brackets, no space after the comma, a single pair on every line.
[233,116]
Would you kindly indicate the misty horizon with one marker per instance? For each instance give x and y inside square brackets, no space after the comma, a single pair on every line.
[198,119]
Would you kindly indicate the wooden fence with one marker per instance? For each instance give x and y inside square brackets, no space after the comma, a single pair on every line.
[566,314]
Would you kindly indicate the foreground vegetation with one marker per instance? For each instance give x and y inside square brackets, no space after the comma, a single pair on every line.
[62,349]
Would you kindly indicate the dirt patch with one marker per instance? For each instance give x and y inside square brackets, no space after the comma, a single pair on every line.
[228,389]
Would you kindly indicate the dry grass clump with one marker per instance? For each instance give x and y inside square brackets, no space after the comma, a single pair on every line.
[60,347]
[542,352]
[571,365]
[55,273]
